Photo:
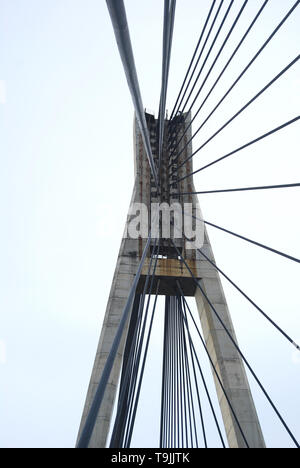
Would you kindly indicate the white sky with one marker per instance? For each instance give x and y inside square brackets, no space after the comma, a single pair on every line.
[66,179]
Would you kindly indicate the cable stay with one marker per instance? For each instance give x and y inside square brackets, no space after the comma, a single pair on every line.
[250,300]
[241,189]
[169,16]
[265,88]
[210,50]
[237,80]
[193,58]
[117,13]
[203,47]
[223,70]
[246,145]
[197,283]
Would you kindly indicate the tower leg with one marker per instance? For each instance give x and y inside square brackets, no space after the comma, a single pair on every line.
[123,278]
[227,361]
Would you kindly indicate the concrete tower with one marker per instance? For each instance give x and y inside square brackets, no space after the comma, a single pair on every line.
[170,268]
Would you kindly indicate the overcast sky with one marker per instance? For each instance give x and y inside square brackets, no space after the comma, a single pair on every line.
[66,178]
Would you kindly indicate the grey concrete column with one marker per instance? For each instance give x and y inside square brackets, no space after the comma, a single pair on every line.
[226,359]
[223,353]
[125,271]
[123,278]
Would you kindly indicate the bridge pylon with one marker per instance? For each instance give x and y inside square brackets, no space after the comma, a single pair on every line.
[171,270]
